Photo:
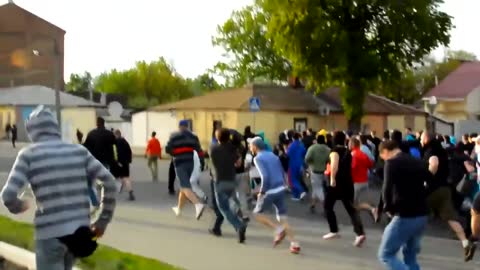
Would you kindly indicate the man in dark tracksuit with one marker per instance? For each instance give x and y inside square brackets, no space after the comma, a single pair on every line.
[100,143]
[181,146]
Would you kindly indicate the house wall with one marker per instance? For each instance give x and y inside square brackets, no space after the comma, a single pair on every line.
[396,122]
[451,110]
[83,119]
[472,102]
[143,124]
[7,116]
[420,123]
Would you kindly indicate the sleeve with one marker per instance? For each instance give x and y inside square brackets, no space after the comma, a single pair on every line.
[354,160]
[387,189]
[115,152]
[169,146]
[88,142]
[309,156]
[262,170]
[95,170]
[17,180]
[149,145]
[129,152]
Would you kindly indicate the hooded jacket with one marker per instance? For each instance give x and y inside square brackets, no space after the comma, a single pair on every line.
[58,173]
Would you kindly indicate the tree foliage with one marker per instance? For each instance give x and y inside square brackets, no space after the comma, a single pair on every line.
[79,82]
[249,53]
[145,84]
[354,44]
[202,84]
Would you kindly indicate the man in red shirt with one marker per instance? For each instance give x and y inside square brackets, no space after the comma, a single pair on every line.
[361,164]
[153,153]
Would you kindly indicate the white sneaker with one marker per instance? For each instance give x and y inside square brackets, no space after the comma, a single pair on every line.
[176,210]
[303,195]
[330,236]
[199,210]
[359,240]
[295,248]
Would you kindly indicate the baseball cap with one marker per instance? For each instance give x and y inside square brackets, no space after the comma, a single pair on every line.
[183,123]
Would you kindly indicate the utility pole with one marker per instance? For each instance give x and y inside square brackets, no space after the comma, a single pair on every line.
[57,63]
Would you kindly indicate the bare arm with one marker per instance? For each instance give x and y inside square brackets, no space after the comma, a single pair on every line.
[433,164]
[334,162]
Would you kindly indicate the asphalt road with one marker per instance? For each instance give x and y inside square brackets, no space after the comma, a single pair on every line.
[148,227]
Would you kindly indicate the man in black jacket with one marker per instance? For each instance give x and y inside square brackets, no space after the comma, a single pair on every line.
[405,200]
[122,168]
[100,143]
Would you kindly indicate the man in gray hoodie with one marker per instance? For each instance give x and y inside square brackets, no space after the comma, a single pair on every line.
[59,174]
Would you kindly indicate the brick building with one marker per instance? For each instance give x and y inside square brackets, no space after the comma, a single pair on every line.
[31,49]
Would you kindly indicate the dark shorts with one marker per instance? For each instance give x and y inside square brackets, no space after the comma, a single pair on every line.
[275,200]
[441,204]
[184,172]
[120,171]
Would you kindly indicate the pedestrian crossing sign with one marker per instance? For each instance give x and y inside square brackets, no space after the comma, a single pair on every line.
[254,104]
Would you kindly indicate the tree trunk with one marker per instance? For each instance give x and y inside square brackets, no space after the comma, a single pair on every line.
[355,125]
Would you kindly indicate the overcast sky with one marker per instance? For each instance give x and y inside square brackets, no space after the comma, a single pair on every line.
[107,34]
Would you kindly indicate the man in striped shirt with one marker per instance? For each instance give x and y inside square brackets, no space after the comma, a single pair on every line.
[59,174]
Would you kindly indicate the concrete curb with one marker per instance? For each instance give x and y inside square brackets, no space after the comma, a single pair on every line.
[19,256]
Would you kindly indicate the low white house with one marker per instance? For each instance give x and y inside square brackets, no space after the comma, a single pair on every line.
[146,122]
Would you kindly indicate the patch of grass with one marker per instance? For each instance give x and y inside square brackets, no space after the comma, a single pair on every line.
[105,258]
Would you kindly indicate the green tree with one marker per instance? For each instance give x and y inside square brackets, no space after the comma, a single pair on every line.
[79,82]
[146,84]
[249,54]
[204,83]
[355,44]
[461,55]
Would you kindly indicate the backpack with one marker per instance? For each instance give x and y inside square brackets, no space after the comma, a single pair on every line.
[415,152]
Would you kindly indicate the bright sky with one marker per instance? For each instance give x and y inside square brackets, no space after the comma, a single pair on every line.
[107,34]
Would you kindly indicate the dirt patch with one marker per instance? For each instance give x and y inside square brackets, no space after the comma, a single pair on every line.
[6,265]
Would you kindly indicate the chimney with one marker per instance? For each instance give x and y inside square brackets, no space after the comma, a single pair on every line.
[294,82]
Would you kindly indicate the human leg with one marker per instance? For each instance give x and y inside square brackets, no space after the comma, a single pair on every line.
[51,254]
[329,204]
[412,246]
[171,178]
[394,237]
[355,219]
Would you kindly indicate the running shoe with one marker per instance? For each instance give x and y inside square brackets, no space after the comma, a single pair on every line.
[470,251]
[241,234]
[359,240]
[199,210]
[279,236]
[176,210]
[294,248]
[330,236]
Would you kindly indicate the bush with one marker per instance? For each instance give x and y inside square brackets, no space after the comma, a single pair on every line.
[105,258]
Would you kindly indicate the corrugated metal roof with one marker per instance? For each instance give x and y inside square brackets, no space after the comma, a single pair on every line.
[35,95]
[459,83]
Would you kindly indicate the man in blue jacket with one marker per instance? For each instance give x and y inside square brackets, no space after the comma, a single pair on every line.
[272,193]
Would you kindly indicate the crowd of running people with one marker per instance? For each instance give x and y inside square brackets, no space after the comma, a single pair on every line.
[420,175]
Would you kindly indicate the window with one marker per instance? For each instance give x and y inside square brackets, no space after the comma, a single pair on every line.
[300,124]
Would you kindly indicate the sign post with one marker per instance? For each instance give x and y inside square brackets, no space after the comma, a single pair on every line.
[254,105]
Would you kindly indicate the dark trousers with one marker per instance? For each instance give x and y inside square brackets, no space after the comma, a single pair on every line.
[332,195]
[171,177]
[221,206]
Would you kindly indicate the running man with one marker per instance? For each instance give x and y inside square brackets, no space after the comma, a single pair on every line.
[272,193]
[181,147]
[124,159]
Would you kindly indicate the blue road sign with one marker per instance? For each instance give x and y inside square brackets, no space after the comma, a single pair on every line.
[254,104]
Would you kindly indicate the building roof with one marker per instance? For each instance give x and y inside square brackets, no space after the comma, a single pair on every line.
[374,104]
[283,98]
[40,95]
[14,6]
[459,83]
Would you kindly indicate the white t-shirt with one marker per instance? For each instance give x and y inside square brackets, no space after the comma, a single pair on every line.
[253,171]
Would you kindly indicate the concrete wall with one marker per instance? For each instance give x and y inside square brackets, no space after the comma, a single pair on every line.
[466,126]
[124,127]
[451,110]
[83,119]
[420,123]
[396,122]
[7,116]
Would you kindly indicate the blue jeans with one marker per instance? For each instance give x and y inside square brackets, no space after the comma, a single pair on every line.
[223,193]
[406,234]
[53,255]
